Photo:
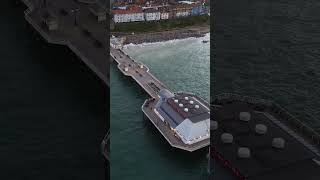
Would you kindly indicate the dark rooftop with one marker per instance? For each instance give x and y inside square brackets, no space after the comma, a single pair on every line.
[265,162]
[176,115]
[194,114]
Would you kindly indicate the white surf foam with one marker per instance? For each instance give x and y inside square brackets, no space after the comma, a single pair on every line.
[174,41]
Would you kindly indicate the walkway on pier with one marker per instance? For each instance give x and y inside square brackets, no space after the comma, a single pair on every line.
[139,72]
[78,28]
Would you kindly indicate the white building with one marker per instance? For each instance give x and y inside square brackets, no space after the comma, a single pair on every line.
[152,15]
[164,15]
[131,15]
[187,116]
[183,13]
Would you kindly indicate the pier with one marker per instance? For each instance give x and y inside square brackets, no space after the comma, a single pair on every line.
[297,158]
[83,26]
[141,74]
[80,25]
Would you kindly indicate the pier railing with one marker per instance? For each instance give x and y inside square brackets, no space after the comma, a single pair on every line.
[303,129]
[105,145]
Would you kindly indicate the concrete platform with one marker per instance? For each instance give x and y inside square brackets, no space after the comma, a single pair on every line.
[77,28]
[298,159]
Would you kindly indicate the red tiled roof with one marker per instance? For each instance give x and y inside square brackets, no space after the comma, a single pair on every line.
[131,10]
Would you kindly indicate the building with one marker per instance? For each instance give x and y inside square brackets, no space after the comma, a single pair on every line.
[186,115]
[183,10]
[257,139]
[133,14]
[152,14]
[196,9]
[172,12]
[154,10]
[164,13]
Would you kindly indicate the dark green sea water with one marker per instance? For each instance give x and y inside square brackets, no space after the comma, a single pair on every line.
[52,108]
[138,151]
[269,49]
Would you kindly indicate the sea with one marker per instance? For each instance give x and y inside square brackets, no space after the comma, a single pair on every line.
[138,150]
[53,108]
[270,49]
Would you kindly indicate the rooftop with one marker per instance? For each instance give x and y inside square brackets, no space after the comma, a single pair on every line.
[264,161]
[183,106]
[131,10]
[196,110]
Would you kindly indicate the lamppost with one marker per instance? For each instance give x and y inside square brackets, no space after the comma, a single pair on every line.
[75,12]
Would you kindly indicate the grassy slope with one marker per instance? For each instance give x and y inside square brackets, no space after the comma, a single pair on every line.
[162,25]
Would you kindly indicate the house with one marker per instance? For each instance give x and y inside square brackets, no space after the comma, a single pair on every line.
[164,13]
[183,10]
[172,12]
[152,14]
[132,14]
[196,9]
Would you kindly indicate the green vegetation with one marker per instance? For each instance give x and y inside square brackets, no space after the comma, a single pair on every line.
[163,25]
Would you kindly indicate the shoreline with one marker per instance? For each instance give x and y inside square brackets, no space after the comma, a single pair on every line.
[202,37]
[161,36]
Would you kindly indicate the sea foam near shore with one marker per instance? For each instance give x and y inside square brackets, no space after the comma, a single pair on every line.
[182,60]
[206,37]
